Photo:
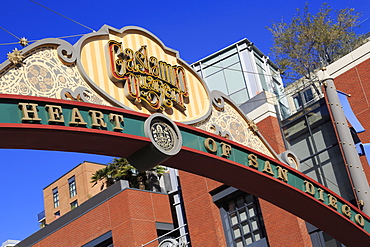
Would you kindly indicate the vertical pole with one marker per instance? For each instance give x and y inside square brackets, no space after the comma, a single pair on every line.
[361,185]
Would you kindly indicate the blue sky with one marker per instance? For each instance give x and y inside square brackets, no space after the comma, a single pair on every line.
[195,28]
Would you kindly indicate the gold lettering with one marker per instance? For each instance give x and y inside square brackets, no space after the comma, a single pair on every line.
[359,219]
[132,90]
[55,114]
[116,61]
[76,118]
[267,168]
[226,149]
[141,64]
[29,112]
[147,79]
[181,81]
[150,100]
[117,119]
[309,188]
[332,201]
[252,161]
[97,119]
[166,72]
[129,59]
[321,194]
[153,65]
[282,173]
[346,210]
[210,145]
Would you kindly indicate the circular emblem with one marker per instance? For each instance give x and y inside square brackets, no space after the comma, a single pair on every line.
[163,135]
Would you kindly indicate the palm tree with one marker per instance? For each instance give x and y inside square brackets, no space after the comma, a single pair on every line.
[120,169]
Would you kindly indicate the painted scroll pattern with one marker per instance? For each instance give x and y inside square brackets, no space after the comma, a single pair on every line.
[230,121]
[43,74]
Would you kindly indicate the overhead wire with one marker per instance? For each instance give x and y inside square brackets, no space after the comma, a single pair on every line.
[62,15]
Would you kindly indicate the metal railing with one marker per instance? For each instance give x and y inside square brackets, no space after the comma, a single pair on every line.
[181,240]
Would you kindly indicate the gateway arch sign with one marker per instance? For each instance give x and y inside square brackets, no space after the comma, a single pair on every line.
[123,93]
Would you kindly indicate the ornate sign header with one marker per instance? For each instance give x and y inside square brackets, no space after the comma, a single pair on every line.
[154,84]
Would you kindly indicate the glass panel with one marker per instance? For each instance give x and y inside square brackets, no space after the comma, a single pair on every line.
[243,215]
[217,82]
[240,97]
[262,75]
[324,136]
[211,67]
[227,53]
[248,239]
[257,236]
[236,231]
[299,139]
[234,78]
[230,60]
[308,95]
[239,243]
[254,224]
[234,218]
[251,211]
[246,228]
[297,101]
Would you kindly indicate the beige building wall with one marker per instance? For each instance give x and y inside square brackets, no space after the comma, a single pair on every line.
[84,189]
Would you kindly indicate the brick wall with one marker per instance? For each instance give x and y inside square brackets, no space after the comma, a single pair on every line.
[356,82]
[203,216]
[130,215]
[270,129]
[283,228]
[84,188]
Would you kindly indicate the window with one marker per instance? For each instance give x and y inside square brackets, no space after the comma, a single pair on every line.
[56,197]
[242,218]
[297,101]
[74,204]
[308,95]
[57,214]
[72,187]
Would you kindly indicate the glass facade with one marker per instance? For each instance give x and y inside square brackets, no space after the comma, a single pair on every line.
[241,71]
[310,135]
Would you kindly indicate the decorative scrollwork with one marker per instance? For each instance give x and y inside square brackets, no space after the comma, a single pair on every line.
[218,100]
[77,95]
[230,121]
[290,159]
[67,53]
[252,126]
[218,131]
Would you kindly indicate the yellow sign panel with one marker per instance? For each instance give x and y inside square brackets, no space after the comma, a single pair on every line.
[138,71]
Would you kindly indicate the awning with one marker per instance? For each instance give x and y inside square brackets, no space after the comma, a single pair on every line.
[350,115]
[366,147]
